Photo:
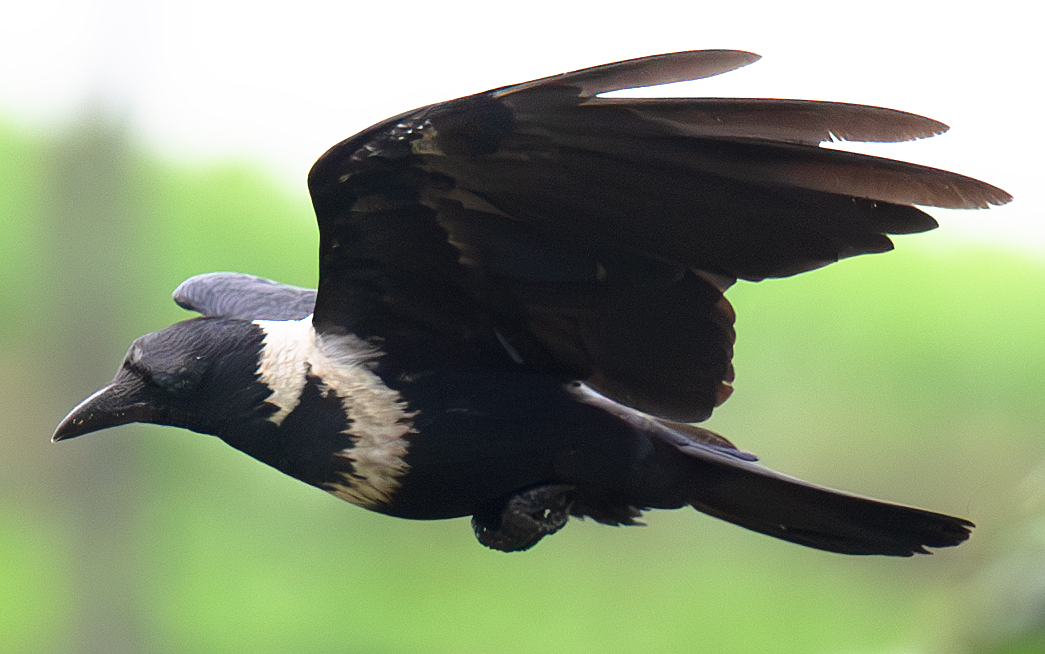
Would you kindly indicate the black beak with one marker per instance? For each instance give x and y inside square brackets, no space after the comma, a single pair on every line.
[126,399]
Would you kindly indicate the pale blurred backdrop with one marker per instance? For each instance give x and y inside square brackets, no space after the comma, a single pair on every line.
[142,142]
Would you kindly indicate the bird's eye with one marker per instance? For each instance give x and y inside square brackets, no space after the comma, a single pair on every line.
[133,360]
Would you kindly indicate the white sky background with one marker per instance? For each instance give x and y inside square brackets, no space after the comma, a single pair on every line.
[280,83]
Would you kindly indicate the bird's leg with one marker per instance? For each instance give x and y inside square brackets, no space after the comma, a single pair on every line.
[526,518]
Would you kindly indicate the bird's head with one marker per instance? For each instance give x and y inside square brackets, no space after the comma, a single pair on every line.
[198,374]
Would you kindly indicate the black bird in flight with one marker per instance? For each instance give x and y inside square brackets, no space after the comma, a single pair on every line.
[520,308]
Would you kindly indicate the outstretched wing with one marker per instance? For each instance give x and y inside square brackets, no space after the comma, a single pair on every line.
[592,237]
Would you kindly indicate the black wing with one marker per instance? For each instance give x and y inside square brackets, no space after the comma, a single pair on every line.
[244,297]
[593,237]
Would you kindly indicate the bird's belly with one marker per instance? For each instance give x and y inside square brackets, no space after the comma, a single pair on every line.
[458,479]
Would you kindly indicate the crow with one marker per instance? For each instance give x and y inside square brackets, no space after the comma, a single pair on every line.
[520,308]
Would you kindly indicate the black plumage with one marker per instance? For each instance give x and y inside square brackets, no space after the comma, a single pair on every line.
[520,308]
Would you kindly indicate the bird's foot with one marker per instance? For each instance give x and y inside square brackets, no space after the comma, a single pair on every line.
[527,517]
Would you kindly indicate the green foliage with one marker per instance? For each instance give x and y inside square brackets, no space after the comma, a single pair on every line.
[21,197]
[914,376]
[32,584]
[228,217]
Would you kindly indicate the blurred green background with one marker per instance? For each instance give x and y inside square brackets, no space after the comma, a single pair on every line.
[914,376]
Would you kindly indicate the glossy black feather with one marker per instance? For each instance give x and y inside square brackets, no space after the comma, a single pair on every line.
[641,72]
[808,122]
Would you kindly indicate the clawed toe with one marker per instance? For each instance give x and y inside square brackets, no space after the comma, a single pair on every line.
[527,517]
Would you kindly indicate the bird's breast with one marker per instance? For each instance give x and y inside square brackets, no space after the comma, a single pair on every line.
[326,393]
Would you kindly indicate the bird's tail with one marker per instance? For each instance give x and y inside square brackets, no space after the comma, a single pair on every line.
[723,482]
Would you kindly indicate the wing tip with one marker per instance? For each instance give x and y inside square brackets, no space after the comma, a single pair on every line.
[641,72]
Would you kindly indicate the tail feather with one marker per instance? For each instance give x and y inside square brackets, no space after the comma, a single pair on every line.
[725,485]
[821,517]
